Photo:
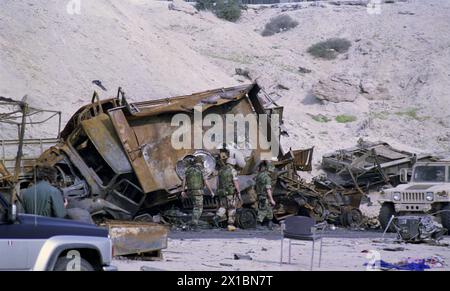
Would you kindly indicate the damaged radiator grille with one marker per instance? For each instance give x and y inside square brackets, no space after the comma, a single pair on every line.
[413,197]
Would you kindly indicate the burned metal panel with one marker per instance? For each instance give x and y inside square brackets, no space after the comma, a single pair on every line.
[137,237]
[101,132]
[132,148]
[303,159]
[187,103]
[154,134]
[87,112]
[146,134]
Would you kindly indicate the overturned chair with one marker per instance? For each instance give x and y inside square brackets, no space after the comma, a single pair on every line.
[304,229]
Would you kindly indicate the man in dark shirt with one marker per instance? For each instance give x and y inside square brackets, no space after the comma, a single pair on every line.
[42,198]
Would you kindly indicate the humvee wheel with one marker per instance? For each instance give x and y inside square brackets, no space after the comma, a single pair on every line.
[445,217]
[386,212]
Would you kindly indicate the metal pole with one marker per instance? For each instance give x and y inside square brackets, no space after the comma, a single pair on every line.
[24,108]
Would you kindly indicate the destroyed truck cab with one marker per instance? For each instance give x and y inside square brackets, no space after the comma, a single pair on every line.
[426,193]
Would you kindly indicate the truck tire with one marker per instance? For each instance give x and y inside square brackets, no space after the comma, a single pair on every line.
[62,263]
[246,218]
[445,217]
[386,212]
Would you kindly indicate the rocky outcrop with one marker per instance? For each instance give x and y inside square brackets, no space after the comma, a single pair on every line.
[337,88]
[344,88]
[180,5]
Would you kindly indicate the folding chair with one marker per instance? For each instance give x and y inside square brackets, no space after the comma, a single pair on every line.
[302,228]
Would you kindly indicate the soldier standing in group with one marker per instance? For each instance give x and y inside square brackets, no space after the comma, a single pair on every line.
[194,182]
[264,191]
[229,192]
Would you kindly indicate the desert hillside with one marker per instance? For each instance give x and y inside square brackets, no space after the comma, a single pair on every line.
[393,82]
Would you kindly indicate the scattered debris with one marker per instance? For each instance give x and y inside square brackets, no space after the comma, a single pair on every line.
[242,257]
[406,13]
[416,229]
[304,70]
[397,249]
[293,7]
[350,2]
[404,265]
[370,164]
[435,261]
[210,266]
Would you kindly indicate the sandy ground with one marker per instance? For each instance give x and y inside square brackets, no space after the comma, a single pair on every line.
[214,251]
[343,249]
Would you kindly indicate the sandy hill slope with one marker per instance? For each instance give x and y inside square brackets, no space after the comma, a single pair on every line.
[398,63]
[53,56]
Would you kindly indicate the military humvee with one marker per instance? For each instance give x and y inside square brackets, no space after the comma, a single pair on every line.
[427,192]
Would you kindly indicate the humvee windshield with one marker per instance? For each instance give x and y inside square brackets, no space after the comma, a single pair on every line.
[434,174]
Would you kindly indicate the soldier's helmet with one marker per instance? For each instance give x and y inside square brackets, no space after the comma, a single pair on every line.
[189,160]
[231,161]
[267,165]
[263,164]
[270,167]
[224,153]
[198,160]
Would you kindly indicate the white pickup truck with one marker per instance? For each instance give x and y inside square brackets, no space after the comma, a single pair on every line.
[49,244]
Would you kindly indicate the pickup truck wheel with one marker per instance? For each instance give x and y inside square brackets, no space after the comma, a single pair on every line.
[63,262]
[386,212]
[445,217]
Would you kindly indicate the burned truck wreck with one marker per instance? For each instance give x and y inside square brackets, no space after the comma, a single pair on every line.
[116,160]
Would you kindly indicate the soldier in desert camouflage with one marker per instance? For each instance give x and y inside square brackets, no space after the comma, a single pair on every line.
[194,182]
